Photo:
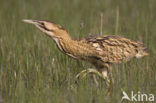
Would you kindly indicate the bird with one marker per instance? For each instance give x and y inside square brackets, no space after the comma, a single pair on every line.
[102,51]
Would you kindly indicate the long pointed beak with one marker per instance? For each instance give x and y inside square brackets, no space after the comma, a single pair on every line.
[30,21]
[37,23]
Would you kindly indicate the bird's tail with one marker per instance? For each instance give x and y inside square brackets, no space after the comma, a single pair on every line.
[142,50]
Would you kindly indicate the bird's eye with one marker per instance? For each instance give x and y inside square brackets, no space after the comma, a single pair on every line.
[42,23]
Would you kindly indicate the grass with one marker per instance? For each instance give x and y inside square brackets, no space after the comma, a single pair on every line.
[33,70]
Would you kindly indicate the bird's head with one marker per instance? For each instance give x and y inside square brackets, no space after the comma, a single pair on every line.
[51,29]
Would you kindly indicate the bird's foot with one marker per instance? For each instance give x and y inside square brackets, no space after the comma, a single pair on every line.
[94,72]
[85,72]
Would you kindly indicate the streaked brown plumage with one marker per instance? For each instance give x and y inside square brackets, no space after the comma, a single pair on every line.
[101,51]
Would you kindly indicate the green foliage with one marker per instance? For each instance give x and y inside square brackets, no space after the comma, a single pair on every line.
[33,70]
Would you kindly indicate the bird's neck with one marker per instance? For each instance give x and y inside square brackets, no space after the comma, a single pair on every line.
[73,48]
[64,43]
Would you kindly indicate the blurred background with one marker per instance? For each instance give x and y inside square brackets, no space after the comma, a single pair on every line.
[33,70]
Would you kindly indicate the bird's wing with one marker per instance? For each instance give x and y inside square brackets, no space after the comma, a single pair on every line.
[115,49]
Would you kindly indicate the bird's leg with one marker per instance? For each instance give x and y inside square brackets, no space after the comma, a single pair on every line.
[104,73]
[87,71]
[83,74]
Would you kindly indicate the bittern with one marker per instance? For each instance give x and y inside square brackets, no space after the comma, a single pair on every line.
[102,50]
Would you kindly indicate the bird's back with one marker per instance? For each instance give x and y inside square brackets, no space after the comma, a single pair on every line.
[115,49]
